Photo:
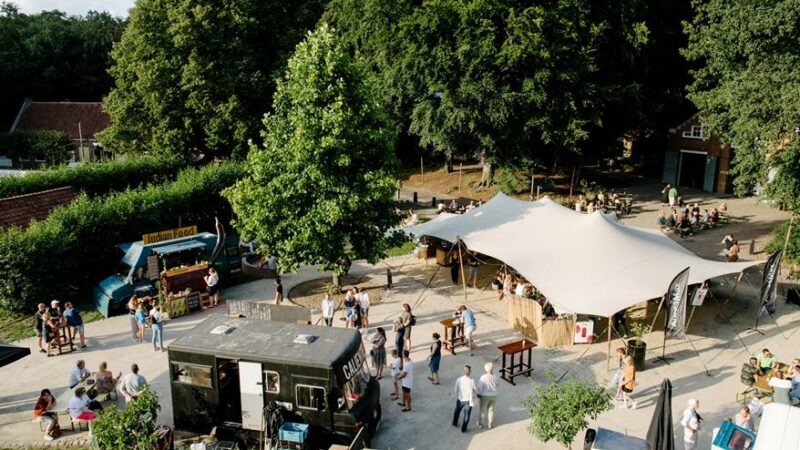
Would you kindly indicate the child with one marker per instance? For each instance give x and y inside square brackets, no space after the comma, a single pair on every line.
[396,365]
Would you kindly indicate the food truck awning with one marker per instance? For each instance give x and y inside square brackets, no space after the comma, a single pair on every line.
[179,247]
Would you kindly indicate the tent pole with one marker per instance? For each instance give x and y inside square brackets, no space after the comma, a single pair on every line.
[608,351]
[461,262]
[660,304]
[688,322]
[788,233]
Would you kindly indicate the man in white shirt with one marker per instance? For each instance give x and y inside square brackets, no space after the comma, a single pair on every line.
[363,302]
[691,422]
[328,308]
[272,263]
[132,384]
[465,392]
[406,378]
[78,374]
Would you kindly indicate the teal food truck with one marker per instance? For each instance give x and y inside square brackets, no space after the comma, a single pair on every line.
[178,264]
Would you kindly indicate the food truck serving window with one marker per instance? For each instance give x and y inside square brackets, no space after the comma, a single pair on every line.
[309,397]
[192,374]
[273,385]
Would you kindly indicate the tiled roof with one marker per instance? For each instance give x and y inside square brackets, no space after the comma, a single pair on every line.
[64,116]
[22,209]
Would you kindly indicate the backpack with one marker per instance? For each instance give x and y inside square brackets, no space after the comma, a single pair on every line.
[413,320]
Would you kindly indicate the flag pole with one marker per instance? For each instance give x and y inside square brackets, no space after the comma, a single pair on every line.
[660,304]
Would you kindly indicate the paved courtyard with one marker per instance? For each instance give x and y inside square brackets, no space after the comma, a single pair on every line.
[706,364]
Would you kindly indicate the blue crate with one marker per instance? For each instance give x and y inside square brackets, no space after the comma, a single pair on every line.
[293,432]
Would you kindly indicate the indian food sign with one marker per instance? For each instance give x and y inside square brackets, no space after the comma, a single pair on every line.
[165,235]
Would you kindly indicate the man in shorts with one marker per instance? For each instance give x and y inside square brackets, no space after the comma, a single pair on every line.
[74,319]
[362,300]
[39,324]
[470,325]
[406,378]
[473,270]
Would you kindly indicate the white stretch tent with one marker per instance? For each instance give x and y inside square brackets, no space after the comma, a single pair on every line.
[778,428]
[582,263]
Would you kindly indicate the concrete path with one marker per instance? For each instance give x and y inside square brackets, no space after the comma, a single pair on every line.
[706,364]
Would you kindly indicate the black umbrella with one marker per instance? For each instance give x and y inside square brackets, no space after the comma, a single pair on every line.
[11,353]
[659,436]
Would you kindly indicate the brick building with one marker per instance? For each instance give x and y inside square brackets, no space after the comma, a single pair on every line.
[696,159]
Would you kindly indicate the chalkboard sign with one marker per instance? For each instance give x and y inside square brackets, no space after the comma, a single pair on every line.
[152,267]
[193,301]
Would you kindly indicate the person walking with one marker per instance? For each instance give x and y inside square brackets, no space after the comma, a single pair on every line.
[378,352]
[38,325]
[157,319]
[487,393]
[465,398]
[691,423]
[470,325]
[278,291]
[212,285]
[133,305]
[408,322]
[628,383]
[406,380]
[75,321]
[328,310]
[621,352]
[434,357]
[399,335]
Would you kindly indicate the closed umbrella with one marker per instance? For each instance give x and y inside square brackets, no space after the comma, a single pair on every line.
[659,436]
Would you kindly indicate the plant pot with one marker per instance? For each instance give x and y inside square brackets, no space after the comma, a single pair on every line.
[637,351]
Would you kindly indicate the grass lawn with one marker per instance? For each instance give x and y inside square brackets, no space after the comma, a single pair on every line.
[14,327]
[403,249]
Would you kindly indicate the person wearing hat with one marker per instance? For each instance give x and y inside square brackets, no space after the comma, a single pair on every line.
[56,312]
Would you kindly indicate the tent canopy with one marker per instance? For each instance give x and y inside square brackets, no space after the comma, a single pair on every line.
[582,263]
[10,353]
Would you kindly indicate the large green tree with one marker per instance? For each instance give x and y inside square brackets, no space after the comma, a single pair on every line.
[747,87]
[196,76]
[322,186]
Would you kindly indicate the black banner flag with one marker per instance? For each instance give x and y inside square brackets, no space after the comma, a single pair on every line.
[675,325]
[769,283]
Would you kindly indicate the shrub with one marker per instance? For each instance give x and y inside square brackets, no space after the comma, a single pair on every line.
[792,254]
[51,146]
[65,255]
[131,428]
[511,183]
[559,410]
[96,178]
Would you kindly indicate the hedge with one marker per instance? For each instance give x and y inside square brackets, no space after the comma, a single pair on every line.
[67,254]
[792,254]
[96,178]
[47,145]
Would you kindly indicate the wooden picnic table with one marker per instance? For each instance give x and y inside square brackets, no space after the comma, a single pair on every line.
[511,369]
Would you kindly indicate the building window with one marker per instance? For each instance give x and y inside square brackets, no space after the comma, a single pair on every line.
[309,397]
[273,385]
[698,132]
[192,374]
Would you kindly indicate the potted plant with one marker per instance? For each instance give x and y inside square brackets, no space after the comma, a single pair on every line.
[559,411]
[637,347]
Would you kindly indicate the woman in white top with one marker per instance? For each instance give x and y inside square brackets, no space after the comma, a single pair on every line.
[487,392]
[157,322]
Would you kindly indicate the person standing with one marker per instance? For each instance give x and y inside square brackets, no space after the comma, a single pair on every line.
[278,291]
[38,325]
[470,325]
[133,305]
[56,312]
[487,393]
[408,321]
[328,309]
[406,380]
[363,303]
[394,367]
[133,384]
[157,319]
[212,285]
[672,195]
[379,352]
[349,309]
[621,352]
[691,423]
[434,357]
[619,323]
[465,398]
[43,412]
[141,321]
[455,267]
[628,383]
[49,331]
[399,335]
[75,321]
[473,270]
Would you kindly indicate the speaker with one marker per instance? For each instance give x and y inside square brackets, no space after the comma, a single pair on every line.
[793,295]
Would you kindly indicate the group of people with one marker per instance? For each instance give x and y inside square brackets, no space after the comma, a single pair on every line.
[146,313]
[86,387]
[50,322]
[688,219]
[356,309]
[467,392]
[731,248]
[602,202]
[785,381]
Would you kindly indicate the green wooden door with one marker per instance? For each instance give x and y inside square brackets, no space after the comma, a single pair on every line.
[711,173]
[670,167]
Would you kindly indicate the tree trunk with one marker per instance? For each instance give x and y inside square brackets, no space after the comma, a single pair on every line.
[487,175]
[448,164]
[335,279]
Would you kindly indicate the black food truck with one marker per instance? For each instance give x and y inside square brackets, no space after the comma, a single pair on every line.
[230,372]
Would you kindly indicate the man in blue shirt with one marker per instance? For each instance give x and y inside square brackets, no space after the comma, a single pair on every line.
[74,319]
[470,325]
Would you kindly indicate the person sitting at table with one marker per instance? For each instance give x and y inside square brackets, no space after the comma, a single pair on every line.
[744,419]
[106,382]
[78,406]
[133,384]
[749,372]
[78,374]
[781,388]
[671,220]
[43,412]
[662,219]
[714,217]
[766,361]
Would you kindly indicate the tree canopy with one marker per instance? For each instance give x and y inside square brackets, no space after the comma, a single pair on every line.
[196,76]
[322,186]
[746,87]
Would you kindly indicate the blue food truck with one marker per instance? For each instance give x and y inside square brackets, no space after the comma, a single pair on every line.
[176,264]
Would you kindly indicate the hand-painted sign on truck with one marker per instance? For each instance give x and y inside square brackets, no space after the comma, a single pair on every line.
[165,235]
[352,367]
